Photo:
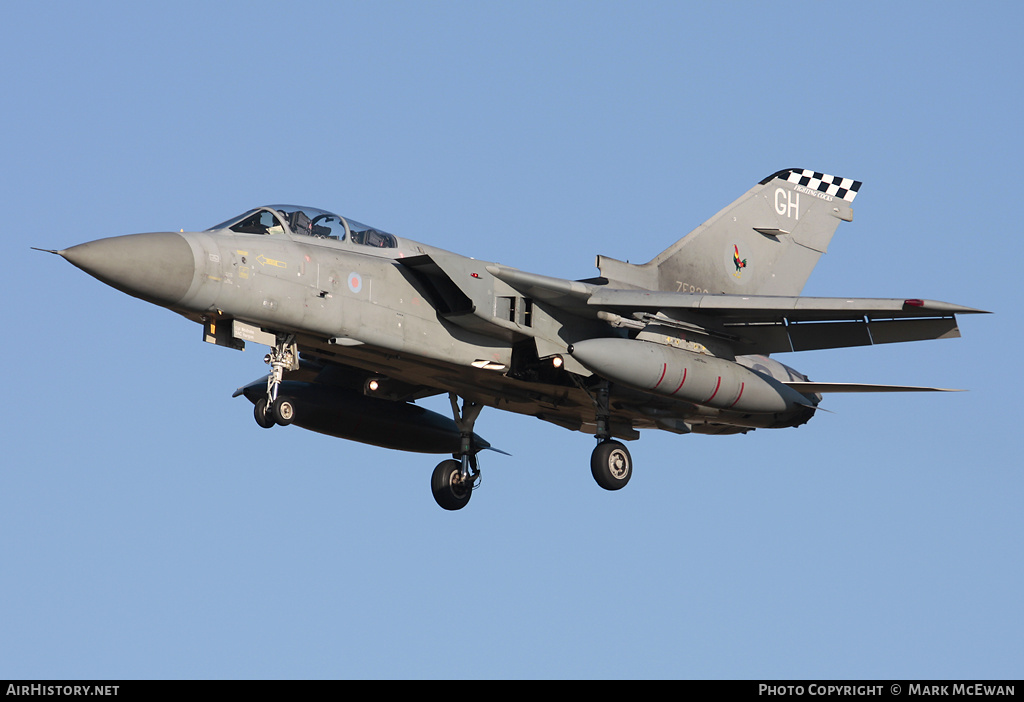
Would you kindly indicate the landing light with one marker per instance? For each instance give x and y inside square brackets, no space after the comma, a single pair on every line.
[557,361]
[372,385]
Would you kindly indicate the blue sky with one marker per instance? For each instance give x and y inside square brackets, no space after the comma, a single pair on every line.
[148,527]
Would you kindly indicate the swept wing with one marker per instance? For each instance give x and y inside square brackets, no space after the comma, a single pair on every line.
[753,324]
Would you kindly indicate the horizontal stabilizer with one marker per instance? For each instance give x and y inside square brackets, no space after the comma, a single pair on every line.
[810,388]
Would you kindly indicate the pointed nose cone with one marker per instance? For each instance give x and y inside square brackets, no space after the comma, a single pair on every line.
[158,268]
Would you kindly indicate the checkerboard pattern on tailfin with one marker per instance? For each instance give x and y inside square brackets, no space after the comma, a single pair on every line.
[830,185]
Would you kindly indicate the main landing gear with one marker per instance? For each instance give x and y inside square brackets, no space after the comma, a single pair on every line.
[610,463]
[271,410]
[453,480]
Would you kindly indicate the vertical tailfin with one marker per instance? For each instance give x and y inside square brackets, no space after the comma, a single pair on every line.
[765,243]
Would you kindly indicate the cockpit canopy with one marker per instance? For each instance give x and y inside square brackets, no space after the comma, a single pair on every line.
[307,221]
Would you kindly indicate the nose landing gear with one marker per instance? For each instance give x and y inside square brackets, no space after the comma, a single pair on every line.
[271,410]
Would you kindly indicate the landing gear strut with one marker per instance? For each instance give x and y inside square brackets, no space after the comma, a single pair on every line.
[271,410]
[454,480]
[610,463]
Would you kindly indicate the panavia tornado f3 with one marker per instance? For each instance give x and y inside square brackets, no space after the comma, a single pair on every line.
[361,323]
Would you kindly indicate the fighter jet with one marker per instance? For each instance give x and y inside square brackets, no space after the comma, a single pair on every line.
[361,323]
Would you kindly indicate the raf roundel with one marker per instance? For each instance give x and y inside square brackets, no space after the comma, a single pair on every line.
[355,282]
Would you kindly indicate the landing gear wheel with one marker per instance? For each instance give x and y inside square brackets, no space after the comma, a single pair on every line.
[611,465]
[449,490]
[263,418]
[283,411]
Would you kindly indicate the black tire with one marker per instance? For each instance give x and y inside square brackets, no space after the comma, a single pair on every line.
[611,465]
[283,411]
[445,483]
[263,418]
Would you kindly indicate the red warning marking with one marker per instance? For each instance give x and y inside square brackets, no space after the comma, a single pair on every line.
[680,383]
[664,367]
[717,385]
[742,385]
